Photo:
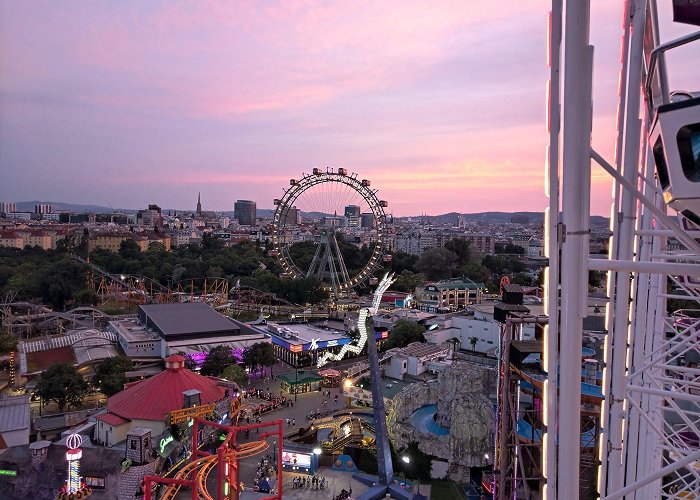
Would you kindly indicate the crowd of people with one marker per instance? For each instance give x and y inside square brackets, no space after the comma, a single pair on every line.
[343,495]
[314,482]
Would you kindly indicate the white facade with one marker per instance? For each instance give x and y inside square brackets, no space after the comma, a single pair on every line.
[413,360]
[478,332]
[535,249]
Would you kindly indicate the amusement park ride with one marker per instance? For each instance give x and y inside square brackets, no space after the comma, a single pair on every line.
[324,194]
[649,415]
[195,474]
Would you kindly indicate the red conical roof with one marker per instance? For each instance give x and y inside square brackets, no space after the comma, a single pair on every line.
[157,396]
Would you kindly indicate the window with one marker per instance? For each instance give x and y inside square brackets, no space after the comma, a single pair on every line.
[688,139]
[661,167]
[133,444]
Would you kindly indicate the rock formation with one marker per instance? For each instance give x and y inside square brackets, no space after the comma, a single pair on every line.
[463,394]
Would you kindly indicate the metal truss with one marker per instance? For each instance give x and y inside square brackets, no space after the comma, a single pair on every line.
[649,443]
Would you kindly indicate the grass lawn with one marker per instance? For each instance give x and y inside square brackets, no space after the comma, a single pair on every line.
[41,360]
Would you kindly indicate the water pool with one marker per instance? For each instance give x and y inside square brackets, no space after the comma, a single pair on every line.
[423,419]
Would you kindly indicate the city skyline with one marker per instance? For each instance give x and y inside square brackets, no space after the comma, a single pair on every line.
[130,104]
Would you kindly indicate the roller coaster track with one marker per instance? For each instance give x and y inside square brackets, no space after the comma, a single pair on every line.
[204,466]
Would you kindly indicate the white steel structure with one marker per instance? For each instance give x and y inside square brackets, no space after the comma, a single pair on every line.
[650,418]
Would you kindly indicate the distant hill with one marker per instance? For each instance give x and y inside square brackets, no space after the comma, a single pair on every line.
[28,206]
[497,217]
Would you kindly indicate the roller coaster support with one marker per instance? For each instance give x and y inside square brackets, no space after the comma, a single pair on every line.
[148,481]
[223,455]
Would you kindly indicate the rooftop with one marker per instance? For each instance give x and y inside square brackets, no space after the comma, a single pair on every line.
[187,319]
[154,398]
[132,331]
[303,376]
[423,350]
[302,333]
[14,413]
[457,283]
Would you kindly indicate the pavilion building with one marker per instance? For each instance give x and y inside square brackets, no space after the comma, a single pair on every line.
[169,397]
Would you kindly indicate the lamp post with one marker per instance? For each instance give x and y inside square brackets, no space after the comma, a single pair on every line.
[296,380]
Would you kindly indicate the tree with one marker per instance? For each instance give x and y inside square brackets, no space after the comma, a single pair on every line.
[190,363]
[61,280]
[129,249]
[62,384]
[475,272]
[217,360]
[110,375]
[405,332]
[509,248]
[260,354]
[236,374]
[8,343]
[522,279]
[436,263]
[473,342]
[407,281]
[461,248]
[402,261]
[85,297]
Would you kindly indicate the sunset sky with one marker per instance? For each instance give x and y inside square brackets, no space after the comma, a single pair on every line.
[440,104]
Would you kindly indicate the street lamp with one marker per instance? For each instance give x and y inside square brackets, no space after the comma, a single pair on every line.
[296,381]
[317,451]
[406,459]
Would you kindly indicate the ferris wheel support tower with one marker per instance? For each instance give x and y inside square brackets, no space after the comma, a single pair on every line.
[649,418]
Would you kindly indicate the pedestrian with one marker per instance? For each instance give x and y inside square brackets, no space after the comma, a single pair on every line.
[294,422]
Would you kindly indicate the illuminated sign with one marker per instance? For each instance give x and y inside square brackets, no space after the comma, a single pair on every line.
[72,455]
[178,416]
[332,343]
[296,348]
[5,472]
[385,334]
[314,345]
[164,442]
[296,459]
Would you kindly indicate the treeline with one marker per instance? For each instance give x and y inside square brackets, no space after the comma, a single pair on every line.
[56,279]
[50,276]
[458,259]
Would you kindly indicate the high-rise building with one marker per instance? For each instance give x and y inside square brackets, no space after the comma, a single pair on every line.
[292,217]
[352,214]
[7,207]
[352,211]
[367,220]
[43,208]
[245,212]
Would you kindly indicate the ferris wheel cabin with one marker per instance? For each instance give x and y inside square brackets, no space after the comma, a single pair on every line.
[675,133]
[675,139]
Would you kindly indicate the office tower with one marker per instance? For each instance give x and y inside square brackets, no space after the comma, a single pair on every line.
[245,212]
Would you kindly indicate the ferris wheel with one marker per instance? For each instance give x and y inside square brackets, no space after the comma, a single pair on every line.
[330,225]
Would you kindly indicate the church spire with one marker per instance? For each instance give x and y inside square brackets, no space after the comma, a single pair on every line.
[199,203]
